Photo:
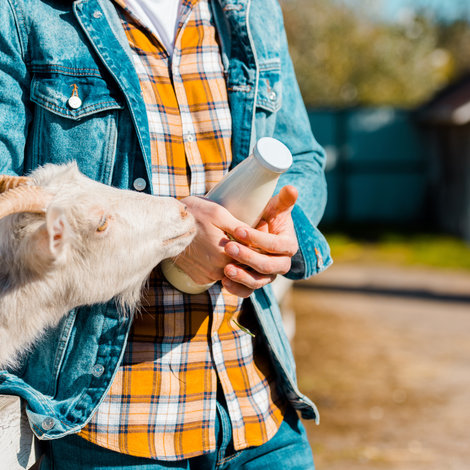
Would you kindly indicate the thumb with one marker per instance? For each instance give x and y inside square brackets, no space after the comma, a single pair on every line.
[283,202]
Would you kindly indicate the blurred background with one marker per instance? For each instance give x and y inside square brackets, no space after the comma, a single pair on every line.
[382,337]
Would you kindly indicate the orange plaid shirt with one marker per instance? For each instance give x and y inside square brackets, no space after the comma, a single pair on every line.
[161,403]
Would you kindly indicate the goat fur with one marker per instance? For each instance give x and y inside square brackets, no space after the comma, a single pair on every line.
[57,261]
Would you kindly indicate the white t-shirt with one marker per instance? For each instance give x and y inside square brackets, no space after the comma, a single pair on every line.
[160,16]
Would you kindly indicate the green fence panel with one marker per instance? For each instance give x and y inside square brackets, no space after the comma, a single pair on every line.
[376,167]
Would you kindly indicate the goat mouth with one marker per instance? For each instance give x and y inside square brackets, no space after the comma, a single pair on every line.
[178,237]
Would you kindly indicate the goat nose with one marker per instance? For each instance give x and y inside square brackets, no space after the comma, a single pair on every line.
[183,211]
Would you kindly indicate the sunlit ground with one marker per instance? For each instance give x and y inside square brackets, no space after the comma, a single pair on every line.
[382,348]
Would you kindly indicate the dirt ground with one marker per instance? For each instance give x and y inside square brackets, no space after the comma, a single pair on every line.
[385,354]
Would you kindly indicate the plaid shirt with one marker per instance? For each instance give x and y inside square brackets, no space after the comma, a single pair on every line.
[162,403]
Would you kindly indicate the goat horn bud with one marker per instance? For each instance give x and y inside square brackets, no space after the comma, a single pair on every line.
[24,199]
[9,182]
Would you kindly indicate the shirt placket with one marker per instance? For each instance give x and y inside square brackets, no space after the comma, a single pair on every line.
[195,166]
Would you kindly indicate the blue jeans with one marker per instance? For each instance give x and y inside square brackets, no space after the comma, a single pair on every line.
[288,449]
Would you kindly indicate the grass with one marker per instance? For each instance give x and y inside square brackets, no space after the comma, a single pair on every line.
[411,249]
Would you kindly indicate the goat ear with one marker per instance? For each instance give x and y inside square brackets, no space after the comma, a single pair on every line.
[58,230]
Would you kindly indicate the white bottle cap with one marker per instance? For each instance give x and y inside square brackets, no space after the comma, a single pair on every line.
[273,154]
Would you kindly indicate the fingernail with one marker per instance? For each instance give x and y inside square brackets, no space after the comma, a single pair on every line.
[232,250]
[241,233]
[231,272]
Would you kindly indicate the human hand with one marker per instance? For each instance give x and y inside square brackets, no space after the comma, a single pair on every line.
[265,251]
[204,259]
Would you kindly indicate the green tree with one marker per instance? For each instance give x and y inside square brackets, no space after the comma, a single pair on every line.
[345,55]
[455,38]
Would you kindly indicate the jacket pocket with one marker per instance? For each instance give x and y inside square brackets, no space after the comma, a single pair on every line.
[75,118]
[269,96]
[73,97]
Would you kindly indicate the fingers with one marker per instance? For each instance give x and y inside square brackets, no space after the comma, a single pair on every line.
[206,211]
[260,262]
[265,241]
[205,258]
[287,198]
[242,282]
[284,201]
[202,266]
[236,289]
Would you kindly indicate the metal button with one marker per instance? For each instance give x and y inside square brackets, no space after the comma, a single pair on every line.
[139,184]
[47,424]
[97,14]
[98,370]
[272,96]
[74,102]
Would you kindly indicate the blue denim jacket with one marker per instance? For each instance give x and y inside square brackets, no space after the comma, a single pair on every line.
[46,46]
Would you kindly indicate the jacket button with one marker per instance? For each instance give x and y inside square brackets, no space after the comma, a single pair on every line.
[272,96]
[139,184]
[97,370]
[47,424]
[97,14]
[74,102]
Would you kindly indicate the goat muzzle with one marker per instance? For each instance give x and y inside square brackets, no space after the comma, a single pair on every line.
[184,211]
[23,199]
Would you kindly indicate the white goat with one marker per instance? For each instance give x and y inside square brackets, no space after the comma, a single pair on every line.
[66,241]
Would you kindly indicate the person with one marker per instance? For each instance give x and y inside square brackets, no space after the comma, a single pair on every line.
[165,97]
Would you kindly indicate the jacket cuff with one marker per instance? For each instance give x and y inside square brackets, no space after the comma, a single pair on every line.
[314,253]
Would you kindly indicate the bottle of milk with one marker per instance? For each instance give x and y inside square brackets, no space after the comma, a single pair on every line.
[244,192]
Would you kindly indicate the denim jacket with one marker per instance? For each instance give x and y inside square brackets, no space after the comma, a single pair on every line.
[47,46]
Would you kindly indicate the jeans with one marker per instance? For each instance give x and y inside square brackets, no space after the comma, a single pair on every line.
[288,449]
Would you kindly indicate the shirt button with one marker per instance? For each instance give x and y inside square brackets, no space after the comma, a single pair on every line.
[272,96]
[189,138]
[97,14]
[47,424]
[97,370]
[139,184]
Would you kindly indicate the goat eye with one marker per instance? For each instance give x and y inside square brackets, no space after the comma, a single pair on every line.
[103,224]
